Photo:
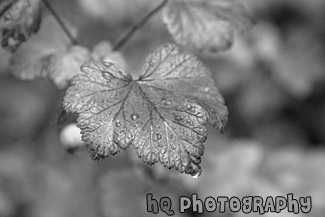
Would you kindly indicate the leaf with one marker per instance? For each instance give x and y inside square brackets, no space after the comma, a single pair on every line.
[59,66]
[206,25]
[48,54]
[163,113]
[18,20]
[64,64]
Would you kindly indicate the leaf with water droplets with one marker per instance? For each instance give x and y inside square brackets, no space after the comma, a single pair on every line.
[162,114]
[206,25]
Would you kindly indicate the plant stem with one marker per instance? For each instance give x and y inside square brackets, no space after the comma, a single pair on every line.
[60,22]
[144,20]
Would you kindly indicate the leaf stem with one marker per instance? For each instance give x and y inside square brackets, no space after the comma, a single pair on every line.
[60,22]
[137,26]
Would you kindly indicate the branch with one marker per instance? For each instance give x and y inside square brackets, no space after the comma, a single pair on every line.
[137,26]
[60,22]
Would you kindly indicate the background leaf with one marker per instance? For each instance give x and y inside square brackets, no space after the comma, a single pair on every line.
[49,54]
[103,51]
[33,59]
[18,20]
[160,114]
[64,64]
[206,25]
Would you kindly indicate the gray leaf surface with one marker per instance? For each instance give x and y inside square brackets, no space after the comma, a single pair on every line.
[206,25]
[163,113]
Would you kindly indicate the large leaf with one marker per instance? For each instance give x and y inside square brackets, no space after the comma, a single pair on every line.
[163,113]
[206,25]
[18,20]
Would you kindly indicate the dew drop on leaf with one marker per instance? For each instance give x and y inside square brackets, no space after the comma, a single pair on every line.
[117,123]
[151,63]
[199,115]
[134,116]
[138,123]
[197,175]
[107,76]
[178,118]
[159,136]
[166,103]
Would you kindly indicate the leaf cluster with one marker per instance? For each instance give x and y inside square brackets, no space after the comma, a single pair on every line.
[163,113]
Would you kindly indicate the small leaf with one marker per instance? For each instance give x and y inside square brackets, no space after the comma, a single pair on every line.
[206,25]
[163,113]
[18,20]
[48,54]
[64,64]
[59,66]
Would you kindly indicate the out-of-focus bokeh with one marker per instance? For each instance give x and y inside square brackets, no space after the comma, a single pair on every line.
[273,81]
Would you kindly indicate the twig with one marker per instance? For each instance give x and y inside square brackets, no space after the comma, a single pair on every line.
[144,20]
[60,22]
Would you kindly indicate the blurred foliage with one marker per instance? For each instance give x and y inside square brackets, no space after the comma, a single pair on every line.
[272,80]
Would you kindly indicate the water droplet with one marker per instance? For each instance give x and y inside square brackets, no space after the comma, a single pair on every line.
[196,175]
[160,145]
[166,103]
[117,123]
[172,147]
[178,118]
[134,116]
[107,64]
[159,136]
[151,63]
[171,136]
[138,123]
[107,76]
[206,89]
[199,115]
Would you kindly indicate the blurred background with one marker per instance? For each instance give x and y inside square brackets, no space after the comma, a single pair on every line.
[273,81]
